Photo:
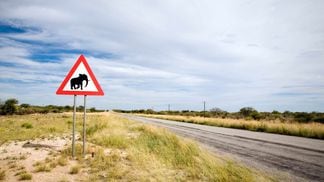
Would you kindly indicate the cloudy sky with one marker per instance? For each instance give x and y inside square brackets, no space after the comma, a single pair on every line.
[147,54]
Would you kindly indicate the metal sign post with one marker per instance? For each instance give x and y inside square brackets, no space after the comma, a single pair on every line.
[84,125]
[73,128]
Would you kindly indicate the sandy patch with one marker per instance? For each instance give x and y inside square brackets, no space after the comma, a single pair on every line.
[16,157]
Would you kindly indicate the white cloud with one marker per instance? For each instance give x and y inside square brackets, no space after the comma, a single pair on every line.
[230,53]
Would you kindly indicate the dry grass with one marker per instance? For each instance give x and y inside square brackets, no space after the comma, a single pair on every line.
[48,164]
[25,176]
[75,169]
[129,151]
[62,161]
[43,168]
[32,126]
[2,175]
[141,152]
[310,130]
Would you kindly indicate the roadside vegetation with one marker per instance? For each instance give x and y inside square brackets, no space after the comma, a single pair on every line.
[16,127]
[246,113]
[12,106]
[301,124]
[310,130]
[123,150]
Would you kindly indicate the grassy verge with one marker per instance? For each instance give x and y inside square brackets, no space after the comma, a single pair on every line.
[27,127]
[130,151]
[310,130]
[137,152]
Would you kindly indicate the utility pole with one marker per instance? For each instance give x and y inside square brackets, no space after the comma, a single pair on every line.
[204,108]
[168,107]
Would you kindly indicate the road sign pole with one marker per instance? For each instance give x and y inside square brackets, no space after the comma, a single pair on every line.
[84,125]
[73,129]
[73,85]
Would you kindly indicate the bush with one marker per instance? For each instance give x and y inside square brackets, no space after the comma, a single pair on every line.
[25,176]
[27,125]
[255,115]
[319,120]
[75,169]
[25,105]
[247,111]
[303,117]
[9,107]
[92,109]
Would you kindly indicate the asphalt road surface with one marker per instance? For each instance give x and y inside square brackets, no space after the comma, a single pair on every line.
[302,157]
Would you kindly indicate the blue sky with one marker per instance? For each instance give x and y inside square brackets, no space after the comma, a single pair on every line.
[147,54]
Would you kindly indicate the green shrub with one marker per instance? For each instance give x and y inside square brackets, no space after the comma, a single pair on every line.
[9,107]
[27,125]
[319,120]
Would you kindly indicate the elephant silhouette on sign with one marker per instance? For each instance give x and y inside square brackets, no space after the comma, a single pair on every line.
[77,82]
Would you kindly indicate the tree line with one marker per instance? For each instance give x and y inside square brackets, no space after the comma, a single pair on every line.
[248,113]
[12,106]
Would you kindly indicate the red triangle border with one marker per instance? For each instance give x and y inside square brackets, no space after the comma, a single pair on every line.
[82,59]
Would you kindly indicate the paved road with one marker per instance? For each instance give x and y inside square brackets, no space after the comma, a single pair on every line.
[298,156]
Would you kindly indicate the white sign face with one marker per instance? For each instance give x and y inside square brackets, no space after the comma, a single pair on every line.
[80,80]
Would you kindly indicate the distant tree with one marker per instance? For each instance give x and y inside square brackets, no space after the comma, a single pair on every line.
[216,110]
[9,106]
[255,115]
[92,109]
[67,108]
[303,117]
[25,105]
[149,111]
[1,106]
[50,106]
[247,111]
[275,112]
[80,108]
[319,119]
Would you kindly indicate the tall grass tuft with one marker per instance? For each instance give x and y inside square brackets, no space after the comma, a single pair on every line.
[25,176]
[2,174]
[112,141]
[167,146]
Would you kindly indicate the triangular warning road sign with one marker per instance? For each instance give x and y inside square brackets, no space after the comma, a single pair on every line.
[80,80]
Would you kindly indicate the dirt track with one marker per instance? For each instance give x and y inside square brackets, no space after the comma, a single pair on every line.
[298,156]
